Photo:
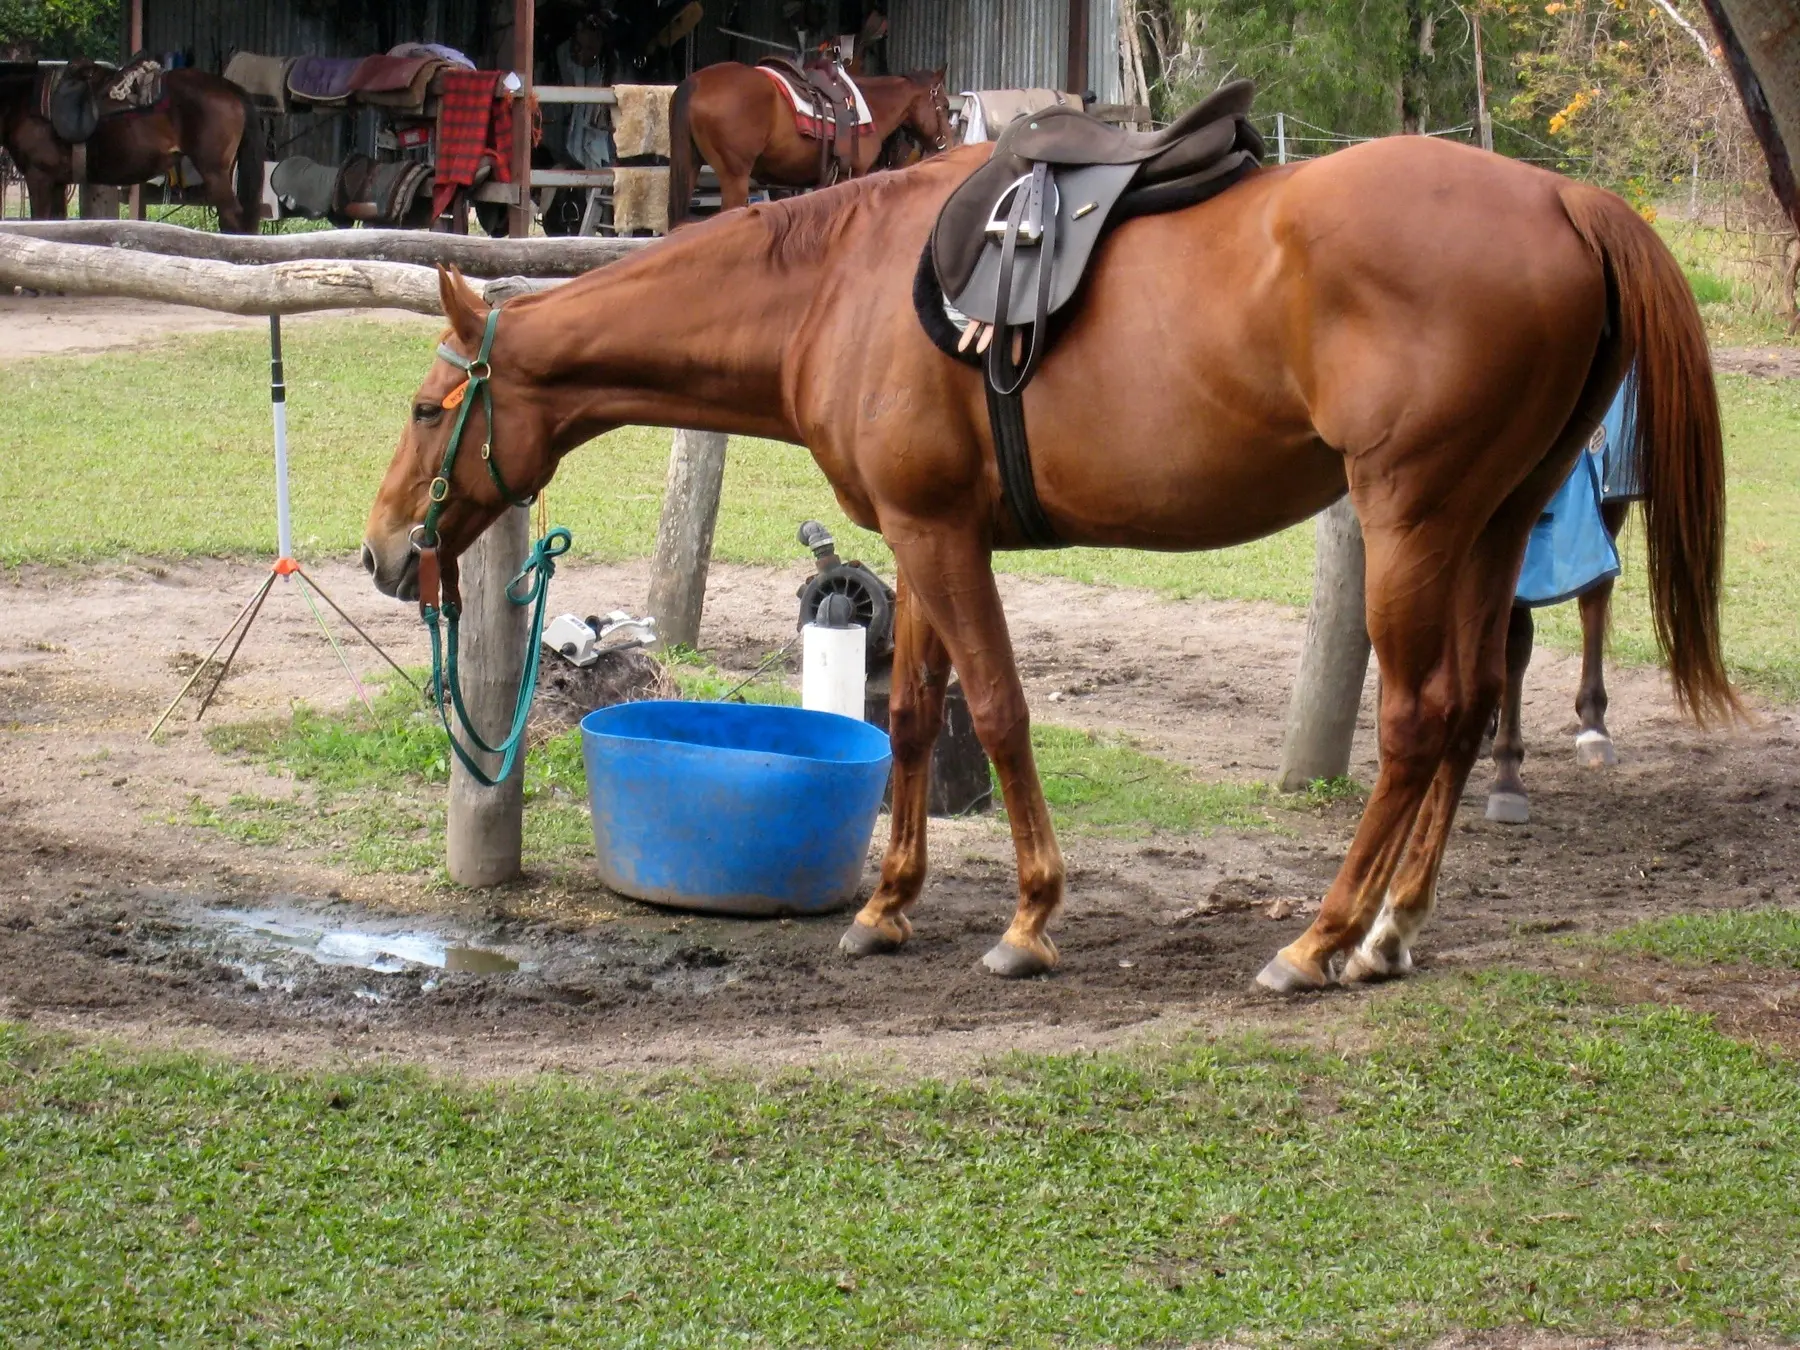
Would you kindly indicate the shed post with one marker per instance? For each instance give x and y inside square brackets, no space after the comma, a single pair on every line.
[1321,721]
[484,834]
[685,536]
[524,59]
[134,40]
[1077,68]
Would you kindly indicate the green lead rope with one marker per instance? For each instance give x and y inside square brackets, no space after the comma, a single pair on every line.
[535,576]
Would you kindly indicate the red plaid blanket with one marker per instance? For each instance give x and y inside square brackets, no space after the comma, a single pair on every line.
[475,117]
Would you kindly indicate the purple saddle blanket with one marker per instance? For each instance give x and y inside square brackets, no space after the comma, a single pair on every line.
[322,79]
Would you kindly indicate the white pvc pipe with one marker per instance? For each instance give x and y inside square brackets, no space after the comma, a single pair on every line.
[833,670]
[284,516]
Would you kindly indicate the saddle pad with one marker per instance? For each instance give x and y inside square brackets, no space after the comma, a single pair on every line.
[305,186]
[803,104]
[387,74]
[641,119]
[264,78]
[322,79]
[446,54]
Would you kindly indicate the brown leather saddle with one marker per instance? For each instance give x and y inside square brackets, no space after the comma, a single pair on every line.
[1014,240]
[75,97]
[833,112]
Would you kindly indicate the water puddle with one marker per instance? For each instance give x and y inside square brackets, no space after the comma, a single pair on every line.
[383,953]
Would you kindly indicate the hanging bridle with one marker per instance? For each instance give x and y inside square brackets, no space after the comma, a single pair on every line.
[539,567]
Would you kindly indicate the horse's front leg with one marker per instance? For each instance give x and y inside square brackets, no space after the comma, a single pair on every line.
[915,716]
[1507,802]
[1593,743]
[951,574]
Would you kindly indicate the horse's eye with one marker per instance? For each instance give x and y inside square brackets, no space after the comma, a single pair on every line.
[427,413]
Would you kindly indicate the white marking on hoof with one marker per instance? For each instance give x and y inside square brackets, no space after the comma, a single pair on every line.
[1282,976]
[1382,956]
[1509,808]
[1594,750]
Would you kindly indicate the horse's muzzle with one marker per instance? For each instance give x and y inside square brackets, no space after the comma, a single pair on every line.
[401,582]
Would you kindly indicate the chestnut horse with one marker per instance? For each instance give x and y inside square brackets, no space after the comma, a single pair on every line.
[1432,328]
[202,116]
[734,118]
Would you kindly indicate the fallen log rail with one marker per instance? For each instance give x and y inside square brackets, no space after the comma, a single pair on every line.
[562,257]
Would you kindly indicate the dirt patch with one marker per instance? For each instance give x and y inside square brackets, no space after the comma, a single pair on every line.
[109,914]
[1774,363]
[71,325]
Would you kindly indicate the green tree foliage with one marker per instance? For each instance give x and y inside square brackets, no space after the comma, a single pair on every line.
[59,29]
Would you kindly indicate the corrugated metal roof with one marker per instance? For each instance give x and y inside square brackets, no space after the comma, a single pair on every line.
[1004,44]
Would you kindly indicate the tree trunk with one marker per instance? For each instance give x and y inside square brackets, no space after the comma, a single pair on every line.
[684,538]
[484,832]
[1321,721]
[1761,39]
[568,257]
[233,288]
[1415,97]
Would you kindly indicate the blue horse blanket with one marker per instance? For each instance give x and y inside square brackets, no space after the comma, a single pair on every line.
[1570,551]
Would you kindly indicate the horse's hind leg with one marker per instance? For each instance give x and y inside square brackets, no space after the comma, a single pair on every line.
[1593,744]
[1485,612]
[1507,802]
[952,577]
[1410,600]
[915,716]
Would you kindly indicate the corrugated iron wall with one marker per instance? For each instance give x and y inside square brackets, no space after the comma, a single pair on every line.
[1004,44]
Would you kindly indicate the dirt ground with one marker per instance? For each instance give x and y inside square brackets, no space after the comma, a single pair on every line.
[118,915]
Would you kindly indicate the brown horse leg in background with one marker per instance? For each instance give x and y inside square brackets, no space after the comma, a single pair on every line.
[915,716]
[1508,803]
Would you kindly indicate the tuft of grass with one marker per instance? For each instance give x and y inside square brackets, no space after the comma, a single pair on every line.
[1107,785]
[1708,289]
[1758,937]
[1498,1152]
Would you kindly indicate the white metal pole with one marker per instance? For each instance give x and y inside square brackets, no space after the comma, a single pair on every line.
[1281,138]
[284,518]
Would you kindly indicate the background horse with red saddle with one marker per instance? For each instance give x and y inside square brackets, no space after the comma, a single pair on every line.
[735,118]
[196,115]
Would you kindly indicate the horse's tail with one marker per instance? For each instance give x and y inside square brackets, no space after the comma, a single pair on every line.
[249,166]
[684,155]
[1679,445]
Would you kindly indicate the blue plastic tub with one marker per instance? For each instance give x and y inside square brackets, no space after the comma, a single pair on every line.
[733,808]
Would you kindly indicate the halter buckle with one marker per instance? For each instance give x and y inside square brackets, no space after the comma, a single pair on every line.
[440,489]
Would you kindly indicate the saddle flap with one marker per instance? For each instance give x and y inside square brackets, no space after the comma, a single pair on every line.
[72,106]
[1083,200]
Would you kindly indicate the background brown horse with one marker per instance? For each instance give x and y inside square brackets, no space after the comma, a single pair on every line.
[1434,329]
[734,118]
[202,116]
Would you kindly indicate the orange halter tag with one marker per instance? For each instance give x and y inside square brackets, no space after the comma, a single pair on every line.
[454,398]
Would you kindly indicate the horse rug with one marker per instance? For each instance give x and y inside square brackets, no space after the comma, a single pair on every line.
[1570,551]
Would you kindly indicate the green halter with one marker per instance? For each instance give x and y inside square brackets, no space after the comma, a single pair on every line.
[479,373]
[540,566]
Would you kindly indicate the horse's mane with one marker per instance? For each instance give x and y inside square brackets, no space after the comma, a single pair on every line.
[802,228]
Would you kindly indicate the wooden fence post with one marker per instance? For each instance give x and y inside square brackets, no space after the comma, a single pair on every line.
[485,830]
[684,538]
[1321,721]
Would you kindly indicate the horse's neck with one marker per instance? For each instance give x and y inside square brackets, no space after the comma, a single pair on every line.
[693,334]
[888,98]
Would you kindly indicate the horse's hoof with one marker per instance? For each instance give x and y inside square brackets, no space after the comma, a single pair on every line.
[1509,808]
[1371,964]
[1282,976]
[863,939]
[1011,962]
[1594,750]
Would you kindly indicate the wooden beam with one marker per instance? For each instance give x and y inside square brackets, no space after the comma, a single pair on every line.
[297,287]
[134,41]
[684,537]
[524,58]
[1077,71]
[1321,720]
[484,830]
[541,257]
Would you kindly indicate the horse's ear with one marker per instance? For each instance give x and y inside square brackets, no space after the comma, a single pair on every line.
[940,73]
[462,306]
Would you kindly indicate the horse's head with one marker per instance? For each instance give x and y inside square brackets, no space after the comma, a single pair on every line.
[928,114]
[475,442]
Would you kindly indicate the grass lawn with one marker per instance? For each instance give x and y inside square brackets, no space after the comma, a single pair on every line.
[1491,1152]
[165,453]
[1757,937]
